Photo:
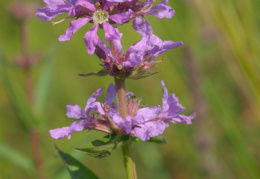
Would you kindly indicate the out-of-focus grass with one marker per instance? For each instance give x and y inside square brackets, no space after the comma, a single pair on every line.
[222,37]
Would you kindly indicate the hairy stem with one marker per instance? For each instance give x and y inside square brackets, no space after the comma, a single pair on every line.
[122,109]
[121,97]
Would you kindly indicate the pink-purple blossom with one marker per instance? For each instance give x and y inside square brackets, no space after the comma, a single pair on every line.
[97,12]
[141,122]
[152,121]
[105,14]
[86,119]
[139,57]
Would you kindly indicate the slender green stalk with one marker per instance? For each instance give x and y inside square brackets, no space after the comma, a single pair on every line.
[122,109]
[128,161]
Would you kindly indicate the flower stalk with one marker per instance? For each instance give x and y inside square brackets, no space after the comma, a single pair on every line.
[127,147]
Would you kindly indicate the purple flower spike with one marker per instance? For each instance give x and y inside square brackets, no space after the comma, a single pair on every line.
[139,58]
[144,122]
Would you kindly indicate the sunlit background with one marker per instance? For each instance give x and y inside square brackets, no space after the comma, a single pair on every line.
[216,73]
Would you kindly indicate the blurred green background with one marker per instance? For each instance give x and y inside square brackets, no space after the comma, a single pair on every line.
[216,73]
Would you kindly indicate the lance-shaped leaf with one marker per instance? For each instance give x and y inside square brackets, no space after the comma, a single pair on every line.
[140,75]
[75,168]
[101,148]
[157,139]
[99,73]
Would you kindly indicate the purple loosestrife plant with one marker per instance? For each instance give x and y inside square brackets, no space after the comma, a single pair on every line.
[125,121]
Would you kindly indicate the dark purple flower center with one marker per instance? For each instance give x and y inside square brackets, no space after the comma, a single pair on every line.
[81,11]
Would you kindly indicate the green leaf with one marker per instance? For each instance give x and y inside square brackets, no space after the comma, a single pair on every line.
[76,169]
[143,75]
[10,154]
[99,73]
[158,140]
[101,148]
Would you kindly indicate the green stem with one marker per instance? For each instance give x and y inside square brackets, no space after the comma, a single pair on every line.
[122,109]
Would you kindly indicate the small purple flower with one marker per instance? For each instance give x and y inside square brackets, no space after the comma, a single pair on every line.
[91,118]
[139,57]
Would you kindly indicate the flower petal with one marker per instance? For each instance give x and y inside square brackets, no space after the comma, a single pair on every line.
[142,26]
[165,105]
[52,9]
[117,43]
[181,119]
[118,0]
[107,51]
[166,45]
[74,26]
[111,94]
[145,114]
[96,106]
[60,133]
[91,39]
[116,118]
[128,124]
[149,129]
[136,52]
[170,105]
[87,4]
[111,33]
[94,96]
[121,17]
[161,10]
[74,111]
[108,4]
[129,94]
[92,104]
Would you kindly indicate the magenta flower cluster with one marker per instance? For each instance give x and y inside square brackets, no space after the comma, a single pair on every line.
[141,122]
[136,62]
[104,14]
